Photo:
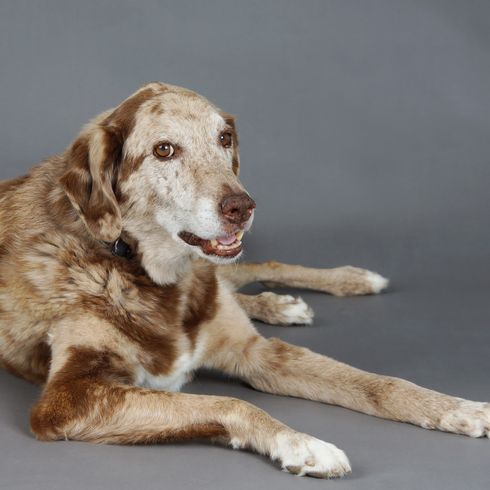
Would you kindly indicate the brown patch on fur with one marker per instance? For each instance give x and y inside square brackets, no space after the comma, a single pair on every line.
[69,395]
[229,120]
[155,306]
[39,363]
[3,250]
[281,355]
[201,301]
[194,431]
[127,168]
[122,119]
[156,109]
[377,393]
[198,431]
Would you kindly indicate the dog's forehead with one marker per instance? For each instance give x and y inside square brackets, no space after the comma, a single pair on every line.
[174,111]
[182,101]
[176,115]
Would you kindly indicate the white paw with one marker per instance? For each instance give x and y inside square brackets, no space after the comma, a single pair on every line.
[470,418]
[304,455]
[284,309]
[353,281]
[295,311]
[377,281]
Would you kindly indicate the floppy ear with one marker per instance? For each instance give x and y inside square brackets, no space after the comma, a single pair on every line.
[88,181]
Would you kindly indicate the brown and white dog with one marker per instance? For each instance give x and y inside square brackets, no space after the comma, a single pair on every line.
[106,299]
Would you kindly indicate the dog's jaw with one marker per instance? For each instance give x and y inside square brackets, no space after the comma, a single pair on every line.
[221,250]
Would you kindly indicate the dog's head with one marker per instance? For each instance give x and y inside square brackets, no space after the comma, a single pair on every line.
[162,167]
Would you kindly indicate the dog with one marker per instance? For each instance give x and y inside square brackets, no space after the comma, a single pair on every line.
[117,281]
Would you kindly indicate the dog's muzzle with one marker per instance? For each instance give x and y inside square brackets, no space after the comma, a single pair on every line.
[223,246]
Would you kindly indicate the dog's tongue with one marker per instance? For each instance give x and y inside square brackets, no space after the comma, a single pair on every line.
[226,240]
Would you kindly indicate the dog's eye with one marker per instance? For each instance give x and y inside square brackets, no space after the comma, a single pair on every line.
[163,150]
[226,139]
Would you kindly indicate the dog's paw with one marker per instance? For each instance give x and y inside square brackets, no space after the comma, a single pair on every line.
[283,309]
[304,455]
[353,281]
[470,418]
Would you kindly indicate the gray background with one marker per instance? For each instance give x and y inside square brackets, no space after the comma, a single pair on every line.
[365,140]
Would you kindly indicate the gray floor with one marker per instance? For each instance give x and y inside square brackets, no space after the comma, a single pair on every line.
[365,140]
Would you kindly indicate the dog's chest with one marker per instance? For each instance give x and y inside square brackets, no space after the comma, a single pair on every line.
[180,373]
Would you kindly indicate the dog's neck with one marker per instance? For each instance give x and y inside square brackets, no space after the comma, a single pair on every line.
[165,260]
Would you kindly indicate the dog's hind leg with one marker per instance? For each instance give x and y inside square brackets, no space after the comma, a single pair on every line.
[276,309]
[340,281]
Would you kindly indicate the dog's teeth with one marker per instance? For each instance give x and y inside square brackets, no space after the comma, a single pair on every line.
[214,243]
[239,235]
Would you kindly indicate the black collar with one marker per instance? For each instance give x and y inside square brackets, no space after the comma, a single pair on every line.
[121,248]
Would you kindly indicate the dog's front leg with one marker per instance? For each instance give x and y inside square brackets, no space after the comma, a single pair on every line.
[87,398]
[274,366]
[339,281]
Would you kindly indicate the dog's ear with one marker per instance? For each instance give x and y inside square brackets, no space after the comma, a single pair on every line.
[88,182]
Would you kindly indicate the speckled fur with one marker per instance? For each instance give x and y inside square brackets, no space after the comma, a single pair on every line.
[110,337]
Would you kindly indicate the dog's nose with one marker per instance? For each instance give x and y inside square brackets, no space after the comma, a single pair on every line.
[237,208]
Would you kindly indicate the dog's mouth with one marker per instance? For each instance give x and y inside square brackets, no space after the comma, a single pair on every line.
[223,246]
